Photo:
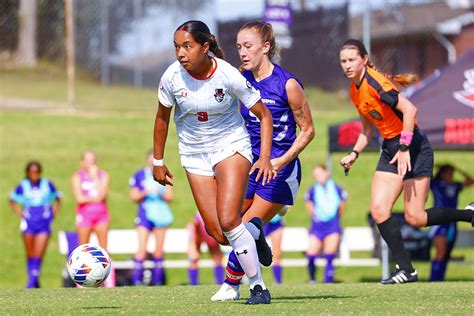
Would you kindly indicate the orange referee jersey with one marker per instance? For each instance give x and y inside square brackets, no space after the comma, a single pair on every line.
[376,98]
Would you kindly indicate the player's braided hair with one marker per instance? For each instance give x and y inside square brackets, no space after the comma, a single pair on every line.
[265,30]
[202,35]
[404,79]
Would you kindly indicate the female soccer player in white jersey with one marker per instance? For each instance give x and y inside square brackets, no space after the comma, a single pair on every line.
[283,94]
[214,144]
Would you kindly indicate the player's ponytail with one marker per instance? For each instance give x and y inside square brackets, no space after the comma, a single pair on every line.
[214,48]
[201,34]
[402,79]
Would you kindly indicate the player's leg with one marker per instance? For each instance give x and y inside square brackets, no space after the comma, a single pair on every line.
[101,229]
[217,256]
[416,193]
[315,246]
[440,243]
[330,246]
[83,234]
[140,256]
[204,191]
[193,253]
[231,179]
[158,275]
[386,188]
[276,237]
[28,241]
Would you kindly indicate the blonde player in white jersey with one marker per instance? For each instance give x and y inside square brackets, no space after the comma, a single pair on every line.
[214,144]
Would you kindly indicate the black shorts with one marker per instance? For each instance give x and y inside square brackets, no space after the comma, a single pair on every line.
[421,156]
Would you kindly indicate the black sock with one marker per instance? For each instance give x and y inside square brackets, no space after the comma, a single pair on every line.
[442,215]
[390,231]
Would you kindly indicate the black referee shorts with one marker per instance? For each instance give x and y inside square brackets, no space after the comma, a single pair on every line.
[421,156]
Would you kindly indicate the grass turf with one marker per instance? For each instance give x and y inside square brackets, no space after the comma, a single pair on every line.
[296,299]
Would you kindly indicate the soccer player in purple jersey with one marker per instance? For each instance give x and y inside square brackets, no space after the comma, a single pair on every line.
[36,201]
[283,94]
[325,202]
[153,216]
[445,193]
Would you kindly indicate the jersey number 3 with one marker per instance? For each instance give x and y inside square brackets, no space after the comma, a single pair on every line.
[202,116]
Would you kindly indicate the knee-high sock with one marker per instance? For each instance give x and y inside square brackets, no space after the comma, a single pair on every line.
[234,271]
[219,274]
[244,247]
[436,271]
[193,274]
[158,274]
[329,270]
[311,267]
[442,215]
[277,273]
[253,230]
[390,231]
[33,267]
[137,274]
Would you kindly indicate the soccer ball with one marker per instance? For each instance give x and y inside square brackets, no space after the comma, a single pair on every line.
[89,265]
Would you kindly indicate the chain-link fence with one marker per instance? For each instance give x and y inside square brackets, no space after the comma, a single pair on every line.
[130,42]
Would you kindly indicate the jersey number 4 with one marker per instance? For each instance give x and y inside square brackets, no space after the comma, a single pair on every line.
[202,116]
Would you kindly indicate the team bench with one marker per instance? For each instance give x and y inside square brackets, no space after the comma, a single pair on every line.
[294,240]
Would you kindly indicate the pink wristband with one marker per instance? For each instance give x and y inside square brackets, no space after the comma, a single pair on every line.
[406,137]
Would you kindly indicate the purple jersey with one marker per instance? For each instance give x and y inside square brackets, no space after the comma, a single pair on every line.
[445,194]
[273,92]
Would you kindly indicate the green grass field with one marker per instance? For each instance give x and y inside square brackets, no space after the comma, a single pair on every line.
[117,122]
[296,299]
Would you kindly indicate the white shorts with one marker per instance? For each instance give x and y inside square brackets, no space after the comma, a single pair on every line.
[203,163]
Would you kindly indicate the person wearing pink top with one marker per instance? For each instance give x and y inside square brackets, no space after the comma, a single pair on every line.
[90,187]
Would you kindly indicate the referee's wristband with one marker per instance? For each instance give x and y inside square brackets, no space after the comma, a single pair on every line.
[158,162]
[355,152]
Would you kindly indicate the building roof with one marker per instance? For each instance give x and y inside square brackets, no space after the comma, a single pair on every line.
[403,20]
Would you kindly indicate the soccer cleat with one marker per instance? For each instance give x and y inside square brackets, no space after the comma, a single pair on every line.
[263,249]
[470,206]
[259,296]
[226,293]
[400,276]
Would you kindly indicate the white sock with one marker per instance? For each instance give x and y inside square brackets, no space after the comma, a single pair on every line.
[244,247]
[253,230]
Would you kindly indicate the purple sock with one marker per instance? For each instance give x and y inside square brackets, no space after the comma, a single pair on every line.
[137,274]
[33,267]
[219,274]
[234,270]
[158,274]
[438,270]
[277,272]
[193,274]
[329,271]
[311,267]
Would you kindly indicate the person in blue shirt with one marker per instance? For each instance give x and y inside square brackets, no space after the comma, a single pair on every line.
[36,202]
[325,202]
[153,216]
[445,193]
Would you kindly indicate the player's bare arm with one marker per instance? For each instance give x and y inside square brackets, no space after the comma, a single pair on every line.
[302,114]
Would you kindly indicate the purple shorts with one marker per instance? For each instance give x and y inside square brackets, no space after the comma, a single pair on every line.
[35,227]
[272,227]
[321,230]
[446,230]
[282,190]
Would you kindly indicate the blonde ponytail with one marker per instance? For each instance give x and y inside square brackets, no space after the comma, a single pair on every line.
[402,79]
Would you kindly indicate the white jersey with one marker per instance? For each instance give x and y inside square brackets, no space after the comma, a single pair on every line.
[206,114]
